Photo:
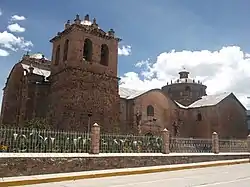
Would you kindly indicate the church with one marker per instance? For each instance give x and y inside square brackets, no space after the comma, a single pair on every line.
[79,86]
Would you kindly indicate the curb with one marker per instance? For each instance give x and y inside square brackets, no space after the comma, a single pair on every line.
[118,173]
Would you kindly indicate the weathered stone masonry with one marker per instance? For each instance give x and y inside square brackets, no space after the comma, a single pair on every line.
[24,166]
[80,93]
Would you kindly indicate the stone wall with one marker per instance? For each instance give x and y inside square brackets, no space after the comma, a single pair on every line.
[84,91]
[29,165]
[76,93]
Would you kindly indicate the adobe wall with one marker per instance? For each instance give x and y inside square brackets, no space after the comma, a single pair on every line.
[164,112]
[61,163]
[12,96]
[228,119]
[41,99]
[200,128]
[232,119]
[126,117]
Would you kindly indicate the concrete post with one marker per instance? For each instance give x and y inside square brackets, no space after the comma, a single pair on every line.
[95,139]
[215,143]
[166,141]
[248,142]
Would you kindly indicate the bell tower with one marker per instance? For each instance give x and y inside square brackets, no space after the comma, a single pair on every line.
[84,82]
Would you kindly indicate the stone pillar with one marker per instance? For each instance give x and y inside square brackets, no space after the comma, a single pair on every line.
[95,139]
[166,141]
[248,142]
[215,143]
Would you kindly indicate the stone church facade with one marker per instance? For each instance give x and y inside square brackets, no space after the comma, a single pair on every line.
[80,86]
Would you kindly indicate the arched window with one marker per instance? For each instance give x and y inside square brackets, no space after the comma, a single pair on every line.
[87,50]
[57,58]
[199,117]
[150,110]
[66,48]
[104,55]
[187,89]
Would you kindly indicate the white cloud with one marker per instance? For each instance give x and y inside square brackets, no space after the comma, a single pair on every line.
[225,70]
[12,42]
[4,52]
[17,18]
[15,27]
[1,13]
[124,50]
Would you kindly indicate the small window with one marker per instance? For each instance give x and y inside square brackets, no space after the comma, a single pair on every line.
[150,110]
[199,117]
[57,58]
[104,55]
[87,50]
[65,52]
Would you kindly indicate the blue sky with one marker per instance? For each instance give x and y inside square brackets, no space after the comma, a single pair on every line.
[150,27]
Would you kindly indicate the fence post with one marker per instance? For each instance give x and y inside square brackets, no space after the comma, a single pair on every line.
[165,138]
[95,139]
[215,143]
[248,142]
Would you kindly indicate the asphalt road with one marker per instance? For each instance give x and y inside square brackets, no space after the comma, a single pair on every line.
[223,176]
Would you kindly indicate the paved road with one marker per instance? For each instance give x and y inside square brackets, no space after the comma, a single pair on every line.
[224,176]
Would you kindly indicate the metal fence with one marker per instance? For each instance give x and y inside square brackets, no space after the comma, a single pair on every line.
[188,145]
[233,145]
[130,144]
[42,141]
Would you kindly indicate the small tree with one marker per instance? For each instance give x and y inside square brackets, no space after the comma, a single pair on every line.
[116,128]
[37,123]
